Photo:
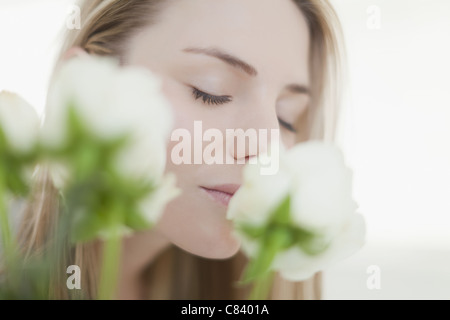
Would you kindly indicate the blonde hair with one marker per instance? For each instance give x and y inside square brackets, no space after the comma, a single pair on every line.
[176,274]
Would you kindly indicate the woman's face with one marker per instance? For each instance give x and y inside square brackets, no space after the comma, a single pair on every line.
[251,58]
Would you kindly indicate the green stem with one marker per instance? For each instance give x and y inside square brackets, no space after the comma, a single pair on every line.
[261,287]
[10,257]
[258,270]
[273,243]
[111,256]
[7,238]
[110,268]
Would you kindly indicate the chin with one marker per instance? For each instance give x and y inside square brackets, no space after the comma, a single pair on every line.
[219,250]
[225,253]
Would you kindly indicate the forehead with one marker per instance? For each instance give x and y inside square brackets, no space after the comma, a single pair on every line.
[271,35]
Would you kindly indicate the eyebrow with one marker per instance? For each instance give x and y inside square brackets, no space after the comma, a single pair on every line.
[225,57]
[240,64]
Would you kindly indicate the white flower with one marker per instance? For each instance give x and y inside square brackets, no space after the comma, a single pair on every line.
[253,202]
[319,184]
[295,265]
[19,122]
[111,101]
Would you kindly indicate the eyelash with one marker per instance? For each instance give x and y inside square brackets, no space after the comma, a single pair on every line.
[288,126]
[210,99]
[219,100]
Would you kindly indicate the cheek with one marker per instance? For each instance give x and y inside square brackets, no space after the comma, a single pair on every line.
[288,139]
[192,221]
[181,101]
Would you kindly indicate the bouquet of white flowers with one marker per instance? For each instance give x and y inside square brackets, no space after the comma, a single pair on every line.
[19,127]
[104,138]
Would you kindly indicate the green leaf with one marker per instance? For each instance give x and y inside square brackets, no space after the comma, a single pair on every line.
[85,226]
[276,240]
[254,232]
[281,215]
[136,221]
[314,245]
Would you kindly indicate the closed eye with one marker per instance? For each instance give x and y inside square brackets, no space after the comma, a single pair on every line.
[209,98]
[288,126]
[218,100]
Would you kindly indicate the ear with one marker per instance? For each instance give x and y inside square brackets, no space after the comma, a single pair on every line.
[74,52]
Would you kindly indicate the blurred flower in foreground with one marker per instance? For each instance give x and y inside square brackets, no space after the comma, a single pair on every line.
[104,138]
[19,125]
[107,127]
[300,220]
[106,131]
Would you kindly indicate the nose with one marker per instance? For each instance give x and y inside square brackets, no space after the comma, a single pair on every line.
[253,135]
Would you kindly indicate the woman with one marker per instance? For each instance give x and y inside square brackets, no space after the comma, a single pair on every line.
[261,64]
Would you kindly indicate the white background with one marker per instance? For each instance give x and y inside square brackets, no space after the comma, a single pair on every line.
[397,136]
[395,132]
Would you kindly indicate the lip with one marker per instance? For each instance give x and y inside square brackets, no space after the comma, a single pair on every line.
[222,193]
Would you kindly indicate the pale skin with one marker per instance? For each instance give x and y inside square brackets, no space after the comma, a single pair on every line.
[272,38]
